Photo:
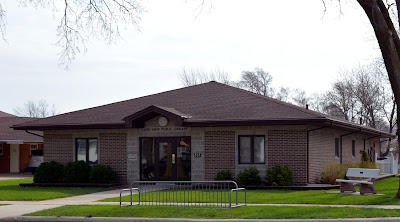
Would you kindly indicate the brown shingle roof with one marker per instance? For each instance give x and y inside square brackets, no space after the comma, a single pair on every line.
[8,134]
[205,104]
[4,114]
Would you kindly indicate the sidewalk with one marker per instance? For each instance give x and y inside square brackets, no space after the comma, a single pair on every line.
[18,208]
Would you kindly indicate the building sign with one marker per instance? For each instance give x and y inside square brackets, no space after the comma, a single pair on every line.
[165,129]
[197,154]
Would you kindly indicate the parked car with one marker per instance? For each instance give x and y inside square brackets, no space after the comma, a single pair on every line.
[35,160]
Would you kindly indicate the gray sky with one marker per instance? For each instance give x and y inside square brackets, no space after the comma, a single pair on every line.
[299,45]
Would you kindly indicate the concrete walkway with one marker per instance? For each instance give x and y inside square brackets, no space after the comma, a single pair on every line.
[12,176]
[18,208]
[15,209]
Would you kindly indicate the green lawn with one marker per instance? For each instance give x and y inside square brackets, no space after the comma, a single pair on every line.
[258,212]
[10,190]
[387,187]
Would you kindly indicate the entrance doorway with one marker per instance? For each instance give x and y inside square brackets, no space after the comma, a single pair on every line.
[165,158]
[14,158]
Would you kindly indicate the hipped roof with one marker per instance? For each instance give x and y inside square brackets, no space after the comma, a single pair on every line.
[208,104]
[8,134]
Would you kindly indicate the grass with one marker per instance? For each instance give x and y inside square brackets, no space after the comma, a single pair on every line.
[254,212]
[387,187]
[11,191]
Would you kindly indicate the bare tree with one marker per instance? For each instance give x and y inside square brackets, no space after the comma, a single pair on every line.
[41,109]
[257,81]
[340,101]
[198,76]
[282,94]
[300,98]
[79,20]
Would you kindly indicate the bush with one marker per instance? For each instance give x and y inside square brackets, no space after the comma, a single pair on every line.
[331,172]
[49,172]
[364,156]
[224,175]
[279,175]
[102,174]
[76,172]
[367,164]
[249,176]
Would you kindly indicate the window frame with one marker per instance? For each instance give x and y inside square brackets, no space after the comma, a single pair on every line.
[353,148]
[251,149]
[1,149]
[337,147]
[87,148]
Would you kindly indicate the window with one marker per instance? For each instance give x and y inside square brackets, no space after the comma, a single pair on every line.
[251,149]
[86,150]
[34,147]
[1,149]
[353,148]
[337,147]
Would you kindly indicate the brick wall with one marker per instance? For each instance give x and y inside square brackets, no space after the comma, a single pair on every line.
[5,159]
[113,152]
[289,147]
[58,147]
[219,153]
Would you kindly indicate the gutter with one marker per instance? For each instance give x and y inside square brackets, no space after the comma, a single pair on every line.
[34,134]
[308,148]
[341,143]
[371,138]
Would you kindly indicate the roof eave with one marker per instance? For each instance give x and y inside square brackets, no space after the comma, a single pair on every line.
[205,123]
[70,126]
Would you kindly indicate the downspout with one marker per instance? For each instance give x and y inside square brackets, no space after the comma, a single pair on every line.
[308,148]
[34,134]
[341,143]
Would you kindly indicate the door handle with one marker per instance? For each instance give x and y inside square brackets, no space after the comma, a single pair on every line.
[173,158]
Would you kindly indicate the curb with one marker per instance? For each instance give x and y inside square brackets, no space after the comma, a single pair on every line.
[116,219]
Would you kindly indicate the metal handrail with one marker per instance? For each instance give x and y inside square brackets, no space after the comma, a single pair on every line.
[131,192]
[186,193]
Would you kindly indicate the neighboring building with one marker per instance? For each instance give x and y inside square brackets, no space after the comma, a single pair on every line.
[17,147]
[194,132]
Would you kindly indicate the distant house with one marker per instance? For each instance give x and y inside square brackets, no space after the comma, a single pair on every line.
[193,133]
[16,146]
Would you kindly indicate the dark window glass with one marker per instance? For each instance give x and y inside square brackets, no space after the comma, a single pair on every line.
[245,149]
[86,150]
[251,149]
[353,148]
[337,147]
[1,149]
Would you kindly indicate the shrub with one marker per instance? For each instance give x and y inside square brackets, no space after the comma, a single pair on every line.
[76,172]
[279,175]
[367,164]
[49,172]
[224,175]
[102,174]
[249,176]
[364,156]
[331,172]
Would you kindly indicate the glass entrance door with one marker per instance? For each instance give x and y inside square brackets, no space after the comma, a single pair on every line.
[166,161]
[165,158]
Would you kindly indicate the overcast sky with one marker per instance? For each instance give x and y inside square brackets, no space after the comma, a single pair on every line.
[294,41]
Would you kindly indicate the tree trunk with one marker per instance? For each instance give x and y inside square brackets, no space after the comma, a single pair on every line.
[389,44]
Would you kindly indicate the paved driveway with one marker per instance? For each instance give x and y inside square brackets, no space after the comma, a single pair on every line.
[11,176]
